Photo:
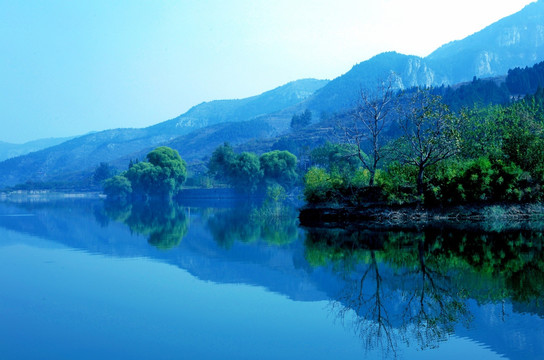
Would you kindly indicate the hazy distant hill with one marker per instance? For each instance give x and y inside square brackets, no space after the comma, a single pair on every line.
[219,111]
[8,150]
[84,153]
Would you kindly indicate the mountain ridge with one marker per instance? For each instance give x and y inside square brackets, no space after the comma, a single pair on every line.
[270,115]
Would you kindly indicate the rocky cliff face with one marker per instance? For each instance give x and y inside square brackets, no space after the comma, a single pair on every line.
[417,73]
[515,41]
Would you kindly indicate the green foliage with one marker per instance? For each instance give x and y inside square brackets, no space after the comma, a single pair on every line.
[398,183]
[302,120]
[117,187]
[102,172]
[430,133]
[523,139]
[491,155]
[279,166]
[164,223]
[171,164]
[248,173]
[162,176]
[318,186]
[478,180]
[338,158]
[221,162]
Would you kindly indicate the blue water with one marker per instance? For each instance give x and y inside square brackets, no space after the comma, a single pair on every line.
[75,286]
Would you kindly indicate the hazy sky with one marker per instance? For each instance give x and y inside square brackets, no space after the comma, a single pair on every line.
[70,67]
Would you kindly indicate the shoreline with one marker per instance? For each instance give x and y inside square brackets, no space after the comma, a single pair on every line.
[45,195]
[381,214]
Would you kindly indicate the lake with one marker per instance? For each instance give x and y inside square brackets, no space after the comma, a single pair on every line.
[82,279]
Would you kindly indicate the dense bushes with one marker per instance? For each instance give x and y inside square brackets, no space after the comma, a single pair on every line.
[499,158]
[248,172]
[162,176]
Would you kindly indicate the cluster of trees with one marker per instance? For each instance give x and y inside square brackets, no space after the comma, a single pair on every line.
[301,120]
[499,91]
[527,80]
[161,176]
[490,154]
[249,173]
[479,91]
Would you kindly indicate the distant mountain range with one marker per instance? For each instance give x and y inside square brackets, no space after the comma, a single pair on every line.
[8,150]
[515,41]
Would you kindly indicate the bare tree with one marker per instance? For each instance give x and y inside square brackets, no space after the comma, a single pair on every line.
[374,111]
[430,132]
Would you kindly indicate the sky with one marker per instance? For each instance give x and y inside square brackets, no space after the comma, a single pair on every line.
[72,67]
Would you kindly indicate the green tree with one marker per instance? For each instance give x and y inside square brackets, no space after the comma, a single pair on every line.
[162,176]
[117,187]
[102,172]
[246,172]
[221,162]
[279,166]
[302,120]
[523,140]
[173,166]
[335,158]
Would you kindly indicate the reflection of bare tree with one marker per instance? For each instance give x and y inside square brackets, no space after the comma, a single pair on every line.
[433,306]
[365,297]
[416,303]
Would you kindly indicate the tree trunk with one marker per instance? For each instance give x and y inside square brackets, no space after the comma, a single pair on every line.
[420,182]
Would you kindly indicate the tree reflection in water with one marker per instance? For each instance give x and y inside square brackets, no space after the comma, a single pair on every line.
[406,286]
[164,223]
[271,222]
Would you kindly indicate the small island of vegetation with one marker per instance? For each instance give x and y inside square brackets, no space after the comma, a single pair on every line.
[409,150]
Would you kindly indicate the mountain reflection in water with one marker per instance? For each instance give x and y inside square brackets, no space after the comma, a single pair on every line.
[396,287]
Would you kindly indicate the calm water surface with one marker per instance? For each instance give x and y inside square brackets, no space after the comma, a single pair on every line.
[85,280]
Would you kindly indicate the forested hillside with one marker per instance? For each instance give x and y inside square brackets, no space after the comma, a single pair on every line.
[511,43]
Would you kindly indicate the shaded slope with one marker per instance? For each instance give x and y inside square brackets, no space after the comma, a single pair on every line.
[8,150]
[219,111]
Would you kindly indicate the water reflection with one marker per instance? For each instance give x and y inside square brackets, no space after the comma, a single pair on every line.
[406,286]
[164,224]
[274,223]
[392,285]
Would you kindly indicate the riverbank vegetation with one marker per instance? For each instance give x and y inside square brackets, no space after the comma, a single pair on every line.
[249,173]
[422,152]
[161,176]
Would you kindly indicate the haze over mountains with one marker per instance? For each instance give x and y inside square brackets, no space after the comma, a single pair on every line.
[515,41]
